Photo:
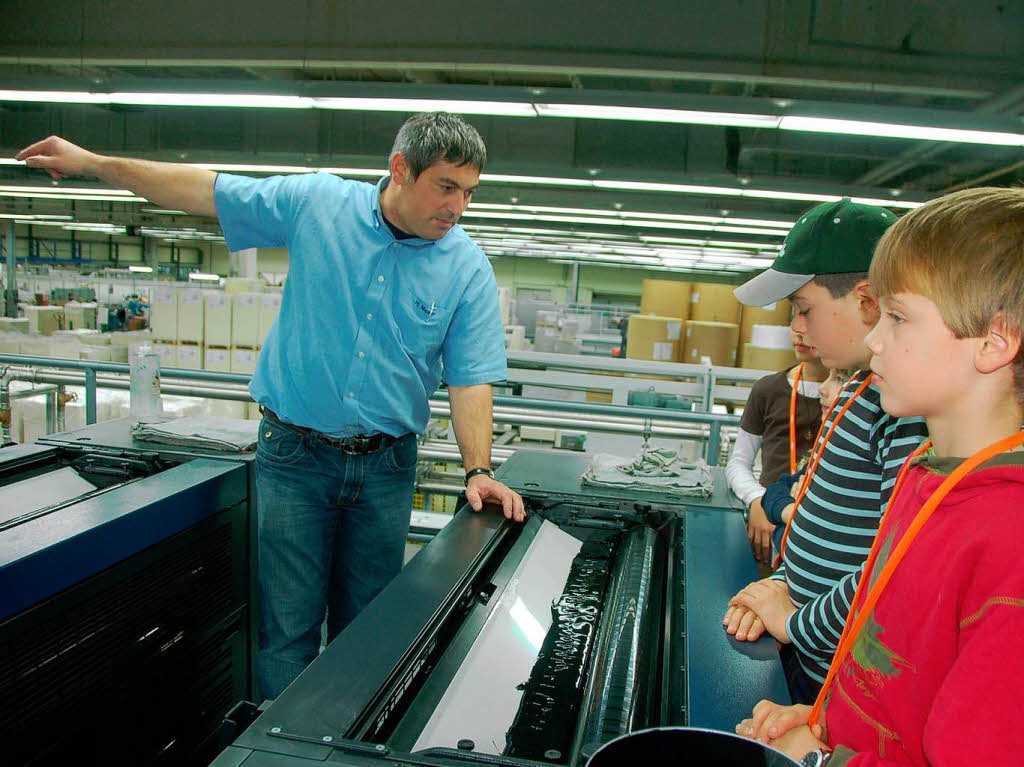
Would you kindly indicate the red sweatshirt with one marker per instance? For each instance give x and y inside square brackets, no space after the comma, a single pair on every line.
[935,676]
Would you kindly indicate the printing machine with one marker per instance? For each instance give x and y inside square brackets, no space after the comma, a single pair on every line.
[125,595]
[506,644]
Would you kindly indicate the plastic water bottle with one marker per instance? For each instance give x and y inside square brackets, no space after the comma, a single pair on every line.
[144,364]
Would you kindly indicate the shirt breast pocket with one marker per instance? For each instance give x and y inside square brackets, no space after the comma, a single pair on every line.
[422,324]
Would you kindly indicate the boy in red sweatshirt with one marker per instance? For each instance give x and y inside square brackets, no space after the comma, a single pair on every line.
[932,654]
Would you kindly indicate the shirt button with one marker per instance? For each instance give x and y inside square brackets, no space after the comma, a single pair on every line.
[369,315]
[380,278]
[361,355]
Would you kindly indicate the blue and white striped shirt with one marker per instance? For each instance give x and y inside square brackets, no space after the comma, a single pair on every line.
[838,518]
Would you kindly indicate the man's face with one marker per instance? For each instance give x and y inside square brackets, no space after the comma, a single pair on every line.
[920,367]
[432,204]
[833,326]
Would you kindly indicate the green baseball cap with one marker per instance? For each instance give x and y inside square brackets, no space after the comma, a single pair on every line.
[833,238]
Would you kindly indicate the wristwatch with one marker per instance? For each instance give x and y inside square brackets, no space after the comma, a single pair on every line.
[816,758]
[473,472]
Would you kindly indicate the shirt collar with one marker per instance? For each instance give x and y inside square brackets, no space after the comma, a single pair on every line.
[381,226]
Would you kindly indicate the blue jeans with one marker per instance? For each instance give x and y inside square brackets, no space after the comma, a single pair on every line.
[332,531]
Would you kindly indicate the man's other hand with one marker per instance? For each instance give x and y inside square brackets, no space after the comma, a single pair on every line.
[482,488]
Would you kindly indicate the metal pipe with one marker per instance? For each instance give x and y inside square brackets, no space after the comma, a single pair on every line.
[570,415]
[616,411]
[90,396]
[439,488]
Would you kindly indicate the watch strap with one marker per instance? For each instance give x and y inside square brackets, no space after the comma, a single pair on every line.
[473,472]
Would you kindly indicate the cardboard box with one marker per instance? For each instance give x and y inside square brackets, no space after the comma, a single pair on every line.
[190,357]
[163,314]
[270,307]
[653,338]
[245,320]
[759,358]
[14,325]
[771,337]
[218,360]
[191,315]
[778,313]
[43,320]
[666,298]
[168,354]
[716,340]
[218,318]
[714,303]
[80,315]
[243,361]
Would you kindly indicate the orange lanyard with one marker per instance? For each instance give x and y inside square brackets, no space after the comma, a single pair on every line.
[815,458]
[858,617]
[792,418]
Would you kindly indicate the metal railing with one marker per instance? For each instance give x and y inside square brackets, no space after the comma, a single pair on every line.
[640,421]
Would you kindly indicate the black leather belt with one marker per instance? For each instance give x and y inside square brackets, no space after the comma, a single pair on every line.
[358,444]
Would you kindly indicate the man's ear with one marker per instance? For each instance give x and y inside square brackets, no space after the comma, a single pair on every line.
[867,303]
[1000,347]
[399,168]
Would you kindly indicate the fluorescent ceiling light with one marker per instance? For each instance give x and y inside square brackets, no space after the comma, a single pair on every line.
[68,190]
[646,114]
[99,228]
[896,130]
[87,193]
[527,109]
[203,277]
[640,223]
[141,269]
[25,217]
[785,225]
[459,106]
[274,101]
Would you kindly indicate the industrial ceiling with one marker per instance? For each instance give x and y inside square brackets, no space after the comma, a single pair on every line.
[675,135]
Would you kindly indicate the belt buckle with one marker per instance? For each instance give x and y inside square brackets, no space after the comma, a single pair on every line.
[355,445]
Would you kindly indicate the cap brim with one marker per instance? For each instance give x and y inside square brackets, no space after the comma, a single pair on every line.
[770,286]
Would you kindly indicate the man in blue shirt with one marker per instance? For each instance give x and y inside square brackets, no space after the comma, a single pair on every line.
[386,297]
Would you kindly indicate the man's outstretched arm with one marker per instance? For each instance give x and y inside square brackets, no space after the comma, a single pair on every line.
[167,184]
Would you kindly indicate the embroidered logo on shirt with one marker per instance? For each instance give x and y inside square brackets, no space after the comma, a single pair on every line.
[428,310]
[869,651]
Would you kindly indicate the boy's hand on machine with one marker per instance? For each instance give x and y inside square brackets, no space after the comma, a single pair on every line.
[772,720]
[743,621]
[743,624]
[482,488]
[769,599]
[59,158]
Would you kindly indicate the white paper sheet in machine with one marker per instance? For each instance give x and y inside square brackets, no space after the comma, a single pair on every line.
[482,700]
[39,492]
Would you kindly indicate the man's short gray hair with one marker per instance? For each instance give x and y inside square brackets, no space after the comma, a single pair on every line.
[431,136]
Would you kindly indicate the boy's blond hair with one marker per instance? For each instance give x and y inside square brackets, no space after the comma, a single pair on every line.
[965,253]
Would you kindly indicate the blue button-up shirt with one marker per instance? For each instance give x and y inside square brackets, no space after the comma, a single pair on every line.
[366,320]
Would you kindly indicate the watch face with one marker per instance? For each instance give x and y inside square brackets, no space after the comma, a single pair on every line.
[813,759]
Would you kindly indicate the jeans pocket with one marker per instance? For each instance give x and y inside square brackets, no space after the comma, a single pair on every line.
[401,456]
[279,444]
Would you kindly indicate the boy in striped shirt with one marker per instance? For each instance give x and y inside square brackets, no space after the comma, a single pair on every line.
[822,269]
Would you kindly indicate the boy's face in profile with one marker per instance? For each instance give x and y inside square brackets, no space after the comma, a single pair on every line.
[832,325]
[829,390]
[804,352]
[920,367]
